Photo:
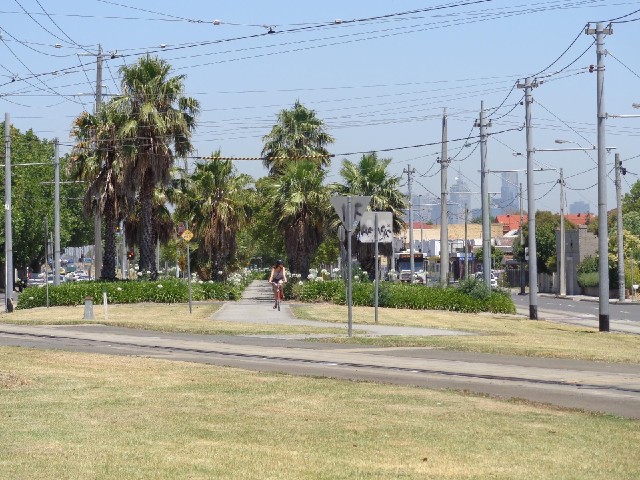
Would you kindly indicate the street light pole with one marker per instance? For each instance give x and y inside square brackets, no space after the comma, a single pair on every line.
[621,284]
[563,273]
[522,276]
[603,235]
[484,189]
[56,213]
[533,258]
[97,250]
[8,233]
[444,220]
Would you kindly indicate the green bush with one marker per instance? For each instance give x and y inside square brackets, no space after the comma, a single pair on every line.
[476,288]
[588,279]
[163,291]
[404,295]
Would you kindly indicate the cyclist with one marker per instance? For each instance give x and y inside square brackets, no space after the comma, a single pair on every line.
[277,278]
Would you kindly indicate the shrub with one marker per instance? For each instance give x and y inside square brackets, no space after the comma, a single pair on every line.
[404,295]
[129,291]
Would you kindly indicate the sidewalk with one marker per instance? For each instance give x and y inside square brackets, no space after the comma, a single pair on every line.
[256,306]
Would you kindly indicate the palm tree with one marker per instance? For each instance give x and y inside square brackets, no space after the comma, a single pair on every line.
[96,158]
[297,136]
[301,209]
[158,127]
[215,201]
[370,177]
[163,227]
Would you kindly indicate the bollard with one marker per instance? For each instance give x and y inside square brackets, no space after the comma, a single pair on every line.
[88,308]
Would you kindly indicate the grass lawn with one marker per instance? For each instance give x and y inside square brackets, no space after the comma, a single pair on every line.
[500,334]
[153,316]
[73,415]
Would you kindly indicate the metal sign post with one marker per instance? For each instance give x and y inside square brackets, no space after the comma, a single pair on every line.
[349,271]
[187,236]
[350,210]
[377,280]
[380,224]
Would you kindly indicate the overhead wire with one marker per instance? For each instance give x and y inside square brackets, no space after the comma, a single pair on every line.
[621,63]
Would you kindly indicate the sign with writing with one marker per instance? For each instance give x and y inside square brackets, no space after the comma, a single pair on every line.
[187,235]
[385,227]
[358,207]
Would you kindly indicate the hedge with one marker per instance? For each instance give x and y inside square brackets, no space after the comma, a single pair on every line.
[404,295]
[163,291]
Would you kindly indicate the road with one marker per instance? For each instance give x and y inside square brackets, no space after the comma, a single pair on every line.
[623,317]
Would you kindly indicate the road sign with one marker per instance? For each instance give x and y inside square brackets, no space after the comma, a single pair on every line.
[359,205]
[385,227]
[181,228]
[187,235]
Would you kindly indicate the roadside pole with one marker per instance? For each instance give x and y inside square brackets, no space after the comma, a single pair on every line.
[349,210]
[187,235]
[377,282]
[349,270]
[8,242]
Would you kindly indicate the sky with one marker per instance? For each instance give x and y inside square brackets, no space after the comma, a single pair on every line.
[378,73]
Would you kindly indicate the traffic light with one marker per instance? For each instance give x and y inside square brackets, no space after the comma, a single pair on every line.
[131,254]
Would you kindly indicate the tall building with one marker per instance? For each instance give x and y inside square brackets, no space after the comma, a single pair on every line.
[509,194]
[458,198]
[579,207]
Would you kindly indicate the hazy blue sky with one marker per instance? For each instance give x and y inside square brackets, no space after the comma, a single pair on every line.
[380,82]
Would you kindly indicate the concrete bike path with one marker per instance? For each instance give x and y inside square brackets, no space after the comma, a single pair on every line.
[256,306]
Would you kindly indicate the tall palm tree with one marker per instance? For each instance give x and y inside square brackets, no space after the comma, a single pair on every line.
[215,201]
[370,177]
[298,135]
[96,158]
[301,210]
[158,128]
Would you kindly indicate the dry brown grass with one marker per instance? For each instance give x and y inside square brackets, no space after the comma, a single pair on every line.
[104,417]
[153,316]
[501,334]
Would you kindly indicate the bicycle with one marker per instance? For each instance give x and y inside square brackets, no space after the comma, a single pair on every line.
[278,293]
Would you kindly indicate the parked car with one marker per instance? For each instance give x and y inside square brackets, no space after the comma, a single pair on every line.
[493,280]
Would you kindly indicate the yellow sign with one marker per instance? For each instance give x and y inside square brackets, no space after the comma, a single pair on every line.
[187,235]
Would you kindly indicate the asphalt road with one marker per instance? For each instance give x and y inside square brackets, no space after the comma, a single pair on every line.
[623,317]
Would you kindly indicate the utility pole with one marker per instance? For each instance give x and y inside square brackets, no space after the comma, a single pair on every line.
[444,221]
[97,250]
[410,171]
[8,233]
[528,86]
[563,267]
[484,195]
[466,242]
[603,235]
[620,170]
[421,226]
[522,276]
[56,212]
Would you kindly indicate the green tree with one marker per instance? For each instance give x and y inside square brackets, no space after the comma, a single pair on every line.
[298,135]
[631,200]
[158,127]
[301,210]
[33,200]
[216,203]
[370,177]
[546,225]
[97,159]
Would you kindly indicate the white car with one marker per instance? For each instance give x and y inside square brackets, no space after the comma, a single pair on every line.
[493,280]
